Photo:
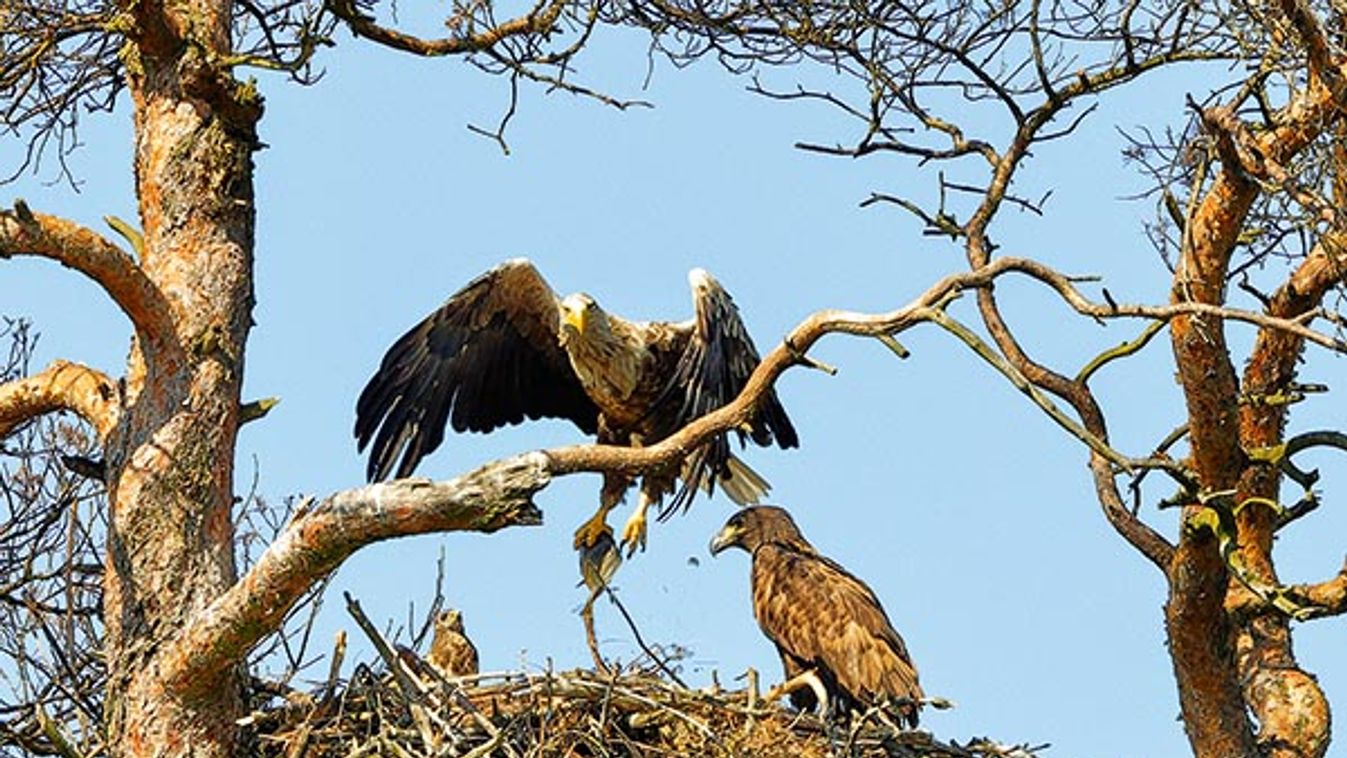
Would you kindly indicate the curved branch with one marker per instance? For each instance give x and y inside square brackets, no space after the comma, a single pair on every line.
[538,21]
[23,232]
[1121,351]
[1307,440]
[1086,307]
[61,386]
[499,494]
[791,352]
[1299,601]
[318,539]
[595,458]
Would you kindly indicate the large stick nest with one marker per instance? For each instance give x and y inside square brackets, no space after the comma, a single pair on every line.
[413,711]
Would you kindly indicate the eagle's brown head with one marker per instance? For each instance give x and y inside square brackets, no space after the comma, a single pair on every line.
[759,525]
[450,620]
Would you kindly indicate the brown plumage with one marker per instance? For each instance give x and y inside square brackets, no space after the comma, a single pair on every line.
[506,348]
[451,652]
[821,618]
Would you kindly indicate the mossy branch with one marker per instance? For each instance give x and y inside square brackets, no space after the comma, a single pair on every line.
[252,411]
[1121,351]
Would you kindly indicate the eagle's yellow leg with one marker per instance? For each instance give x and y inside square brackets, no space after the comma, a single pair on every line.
[804,679]
[593,529]
[633,533]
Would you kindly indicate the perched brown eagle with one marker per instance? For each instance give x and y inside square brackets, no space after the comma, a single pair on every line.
[451,652]
[836,643]
[506,347]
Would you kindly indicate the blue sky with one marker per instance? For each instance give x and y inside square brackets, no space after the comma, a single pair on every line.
[971,515]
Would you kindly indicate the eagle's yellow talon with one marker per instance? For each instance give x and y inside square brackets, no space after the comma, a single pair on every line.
[592,531]
[633,534]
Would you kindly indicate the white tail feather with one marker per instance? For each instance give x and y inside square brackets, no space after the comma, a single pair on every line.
[744,485]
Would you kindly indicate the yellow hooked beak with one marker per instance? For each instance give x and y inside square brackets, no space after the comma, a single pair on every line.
[727,537]
[574,314]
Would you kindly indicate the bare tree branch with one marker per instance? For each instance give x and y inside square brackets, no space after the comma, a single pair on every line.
[1300,601]
[1315,43]
[61,386]
[499,494]
[539,20]
[23,232]
[924,308]
[318,539]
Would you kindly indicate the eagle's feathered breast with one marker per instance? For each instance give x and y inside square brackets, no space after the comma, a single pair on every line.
[609,359]
[451,652]
[827,619]
[624,367]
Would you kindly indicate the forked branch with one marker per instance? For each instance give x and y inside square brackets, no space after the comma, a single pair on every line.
[594,458]
[500,494]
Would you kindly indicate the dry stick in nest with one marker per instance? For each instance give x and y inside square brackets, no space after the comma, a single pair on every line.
[455,690]
[636,633]
[334,670]
[413,691]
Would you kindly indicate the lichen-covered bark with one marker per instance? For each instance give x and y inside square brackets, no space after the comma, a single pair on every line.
[1292,710]
[1201,642]
[1227,669]
[170,460]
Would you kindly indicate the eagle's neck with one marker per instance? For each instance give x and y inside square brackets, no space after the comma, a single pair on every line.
[791,542]
[608,358]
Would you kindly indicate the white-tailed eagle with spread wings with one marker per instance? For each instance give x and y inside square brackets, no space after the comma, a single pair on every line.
[506,348]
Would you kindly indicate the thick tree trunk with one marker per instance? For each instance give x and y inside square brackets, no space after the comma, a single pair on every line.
[170,459]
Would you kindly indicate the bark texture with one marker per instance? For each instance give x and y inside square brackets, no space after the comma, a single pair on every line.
[1231,667]
[1200,636]
[170,461]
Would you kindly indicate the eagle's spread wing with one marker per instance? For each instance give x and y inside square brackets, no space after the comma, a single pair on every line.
[822,617]
[716,362]
[489,356]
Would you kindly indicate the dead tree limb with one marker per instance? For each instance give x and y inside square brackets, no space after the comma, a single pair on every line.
[61,386]
[23,232]
[317,540]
